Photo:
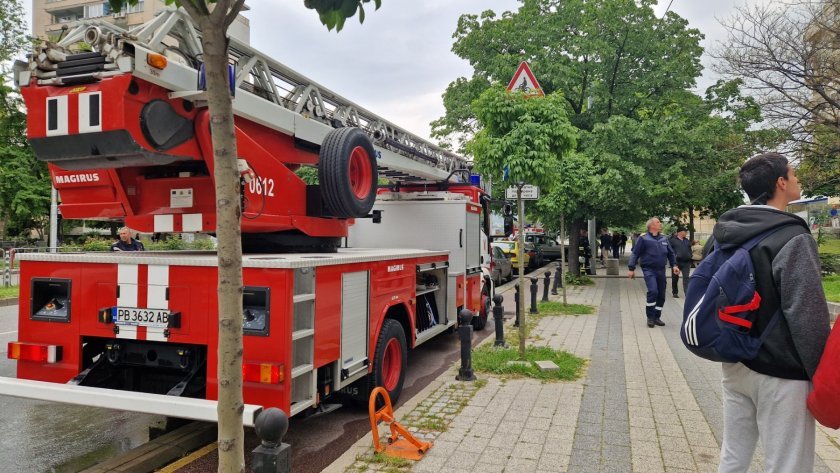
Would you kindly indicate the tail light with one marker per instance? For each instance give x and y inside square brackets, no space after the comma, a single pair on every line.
[265,373]
[34,352]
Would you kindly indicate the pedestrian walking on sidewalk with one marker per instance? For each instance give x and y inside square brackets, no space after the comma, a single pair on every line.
[623,243]
[765,397]
[652,251]
[605,243]
[682,252]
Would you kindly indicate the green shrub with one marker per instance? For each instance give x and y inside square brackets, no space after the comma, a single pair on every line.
[96,244]
[582,280]
[830,263]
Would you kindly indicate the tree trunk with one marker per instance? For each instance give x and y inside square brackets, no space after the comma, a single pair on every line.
[574,235]
[691,223]
[228,231]
[563,254]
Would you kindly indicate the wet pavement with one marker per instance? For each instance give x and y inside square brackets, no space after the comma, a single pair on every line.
[41,436]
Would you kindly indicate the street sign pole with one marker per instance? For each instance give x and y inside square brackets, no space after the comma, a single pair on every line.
[520,257]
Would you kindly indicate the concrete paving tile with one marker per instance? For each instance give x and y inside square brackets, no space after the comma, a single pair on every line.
[444,447]
[642,433]
[553,462]
[473,445]
[616,438]
[645,448]
[670,430]
[534,436]
[537,423]
[616,453]
[503,439]
[588,428]
[644,422]
[526,450]
[586,442]
[643,464]
[615,467]
[520,465]
[617,425]
[462,460]
[429,464]
[677,444]
[489,467]
[677,459]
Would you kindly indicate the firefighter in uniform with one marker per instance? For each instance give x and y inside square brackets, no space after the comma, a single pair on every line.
[584,251]
[652,251]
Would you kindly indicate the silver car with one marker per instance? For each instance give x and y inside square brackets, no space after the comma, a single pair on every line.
[502,268]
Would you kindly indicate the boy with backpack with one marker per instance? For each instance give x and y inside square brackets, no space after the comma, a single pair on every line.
[772,343]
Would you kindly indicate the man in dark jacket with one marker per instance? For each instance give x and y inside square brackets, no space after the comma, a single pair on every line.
[126,243]
[652,251]
[765,397]
[682,252]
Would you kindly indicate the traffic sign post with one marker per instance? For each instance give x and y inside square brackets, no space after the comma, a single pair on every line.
[529,192]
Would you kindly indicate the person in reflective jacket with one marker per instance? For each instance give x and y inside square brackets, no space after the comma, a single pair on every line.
[652,251]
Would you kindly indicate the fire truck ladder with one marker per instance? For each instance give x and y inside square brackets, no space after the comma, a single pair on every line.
[267,91]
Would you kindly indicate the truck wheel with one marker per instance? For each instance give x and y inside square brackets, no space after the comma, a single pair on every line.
[347,173]
[480,321]
[390,360]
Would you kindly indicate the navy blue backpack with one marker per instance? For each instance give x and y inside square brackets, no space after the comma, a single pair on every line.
[721,305]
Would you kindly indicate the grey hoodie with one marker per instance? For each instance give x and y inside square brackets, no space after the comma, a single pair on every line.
[787,268]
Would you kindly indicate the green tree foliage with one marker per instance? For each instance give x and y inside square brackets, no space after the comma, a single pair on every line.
[24,181]
[333,13]
[529,135]
[13,38]
[607,57]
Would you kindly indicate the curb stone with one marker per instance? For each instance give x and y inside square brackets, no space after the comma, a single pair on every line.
[8,302]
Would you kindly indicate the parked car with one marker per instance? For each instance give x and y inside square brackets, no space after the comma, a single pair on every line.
[548,246]
[511,249]
[501,268]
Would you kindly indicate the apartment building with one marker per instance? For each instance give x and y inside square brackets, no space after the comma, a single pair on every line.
[49,16]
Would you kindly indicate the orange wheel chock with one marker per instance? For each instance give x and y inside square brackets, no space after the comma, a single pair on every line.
[407,447]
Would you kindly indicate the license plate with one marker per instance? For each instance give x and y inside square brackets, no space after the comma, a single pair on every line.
[141,317]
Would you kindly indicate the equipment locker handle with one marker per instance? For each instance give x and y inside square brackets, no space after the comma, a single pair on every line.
[461,238]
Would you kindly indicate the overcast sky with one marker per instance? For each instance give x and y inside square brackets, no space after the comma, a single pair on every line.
[399,62]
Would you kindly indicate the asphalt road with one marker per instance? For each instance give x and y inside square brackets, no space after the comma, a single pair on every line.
[49,437]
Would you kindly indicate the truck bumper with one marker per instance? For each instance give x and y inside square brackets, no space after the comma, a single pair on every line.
[185,408]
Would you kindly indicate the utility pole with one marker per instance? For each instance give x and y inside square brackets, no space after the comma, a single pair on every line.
[520,261]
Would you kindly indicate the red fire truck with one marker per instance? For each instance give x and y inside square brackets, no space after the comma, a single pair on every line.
[342,278]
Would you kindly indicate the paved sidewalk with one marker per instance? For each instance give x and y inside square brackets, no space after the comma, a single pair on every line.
[645,403]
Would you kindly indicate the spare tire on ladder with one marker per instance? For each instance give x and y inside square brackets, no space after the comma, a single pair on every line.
[347,173]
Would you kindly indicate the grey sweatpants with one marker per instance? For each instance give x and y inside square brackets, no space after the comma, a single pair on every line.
[757,406]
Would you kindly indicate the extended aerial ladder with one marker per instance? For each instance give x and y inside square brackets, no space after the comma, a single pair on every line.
[150,176]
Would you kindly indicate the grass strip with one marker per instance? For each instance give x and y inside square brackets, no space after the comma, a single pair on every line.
[10,292]
[489,359]
[831,285]
[558,308]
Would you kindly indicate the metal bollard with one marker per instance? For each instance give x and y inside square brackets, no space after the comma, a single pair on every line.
[465,332]
[498,317]
[558,283]
[547,284]
[272,456]
[534,290]
[516,301]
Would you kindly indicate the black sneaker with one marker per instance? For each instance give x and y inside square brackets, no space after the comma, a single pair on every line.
[676,296]
[650,323]
[658,322]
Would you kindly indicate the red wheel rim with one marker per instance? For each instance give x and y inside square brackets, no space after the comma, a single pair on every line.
[360,172]
[391,365]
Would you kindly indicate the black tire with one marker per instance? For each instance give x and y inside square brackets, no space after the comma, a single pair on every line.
[391,330]
[347,173]
[480,319]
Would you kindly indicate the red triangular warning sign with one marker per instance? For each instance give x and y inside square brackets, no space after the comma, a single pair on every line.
[525,81]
